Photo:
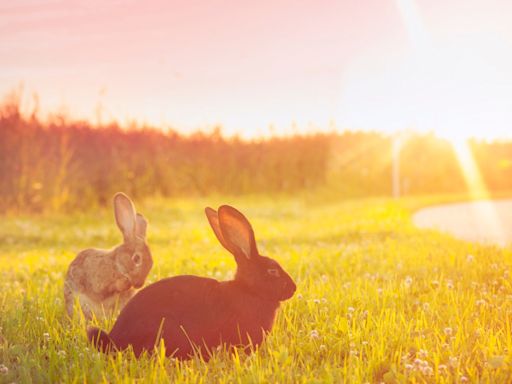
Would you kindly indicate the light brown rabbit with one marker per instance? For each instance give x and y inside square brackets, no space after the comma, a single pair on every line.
[104,280]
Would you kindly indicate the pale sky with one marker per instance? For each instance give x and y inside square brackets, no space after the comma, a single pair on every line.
[366,64]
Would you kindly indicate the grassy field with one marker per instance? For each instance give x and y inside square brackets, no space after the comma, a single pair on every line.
[377,299]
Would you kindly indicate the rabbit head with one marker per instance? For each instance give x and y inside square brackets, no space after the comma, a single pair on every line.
[133,258]
[259,274]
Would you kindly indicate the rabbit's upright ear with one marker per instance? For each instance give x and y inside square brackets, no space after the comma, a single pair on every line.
[213,219]
[141,226]
[237,233]
[125,215]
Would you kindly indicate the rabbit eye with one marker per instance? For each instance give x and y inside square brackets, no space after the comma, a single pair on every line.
[137,259]
[273,272]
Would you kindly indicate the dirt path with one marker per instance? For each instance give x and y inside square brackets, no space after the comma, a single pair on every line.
[488,221]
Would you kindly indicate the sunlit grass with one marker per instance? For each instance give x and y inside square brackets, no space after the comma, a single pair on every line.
[377,299]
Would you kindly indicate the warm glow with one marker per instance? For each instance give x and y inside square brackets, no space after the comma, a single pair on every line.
[263,68]
[487,217]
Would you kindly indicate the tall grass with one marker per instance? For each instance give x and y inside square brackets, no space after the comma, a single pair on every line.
[60,165]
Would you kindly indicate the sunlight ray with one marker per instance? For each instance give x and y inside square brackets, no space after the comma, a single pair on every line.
[486,213]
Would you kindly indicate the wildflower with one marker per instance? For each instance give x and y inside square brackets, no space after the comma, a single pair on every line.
[350,309]
[470,258]
[494,266]
[316,301]
[409,367]
[3,369]
[61,353]
[449,284]
[464,379]
[418,362]
[46,336]
[442,368]
[379,291]
[453,361]
[346,285]
[427,370]
[448,331]
[435,283]
[422,353]
[314,334]
[426,306]
[322,347]
[299,296]
[364,342]
[408,281]
[480,303]
[325,278]
[324,300]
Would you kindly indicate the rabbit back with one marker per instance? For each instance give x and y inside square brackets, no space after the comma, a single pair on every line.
[92,277]
[190,312]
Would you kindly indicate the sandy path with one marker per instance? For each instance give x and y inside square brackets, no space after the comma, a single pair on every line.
[488,221]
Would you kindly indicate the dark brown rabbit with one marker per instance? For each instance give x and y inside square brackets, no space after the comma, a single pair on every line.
[105,279]
[191,313]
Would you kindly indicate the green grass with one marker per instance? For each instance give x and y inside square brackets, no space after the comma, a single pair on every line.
[377,301]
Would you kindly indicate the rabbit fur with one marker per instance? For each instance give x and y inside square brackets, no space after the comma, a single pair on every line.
[192,314]
[104,280]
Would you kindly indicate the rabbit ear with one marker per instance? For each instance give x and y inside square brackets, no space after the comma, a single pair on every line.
[125,215]
[141,225]
[237,233]
[213,219]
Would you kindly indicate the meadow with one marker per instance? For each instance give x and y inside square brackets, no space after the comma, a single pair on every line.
[377,301]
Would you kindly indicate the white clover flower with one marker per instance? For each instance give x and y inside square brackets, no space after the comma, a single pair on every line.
[316,301]
[435,283]
[426,306]
[449,284]
[442,367]
[422,353]
[324,300]
[470,258]
[299,296]
[3,369]
[409,367]
[325,278]
[448,331]
[379,291]
[453,361]
[427,371]
[350,309]
[322,347]
[61,353]
[480,303]
[46,336]
[314,334]
[408,281]
[464,379]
